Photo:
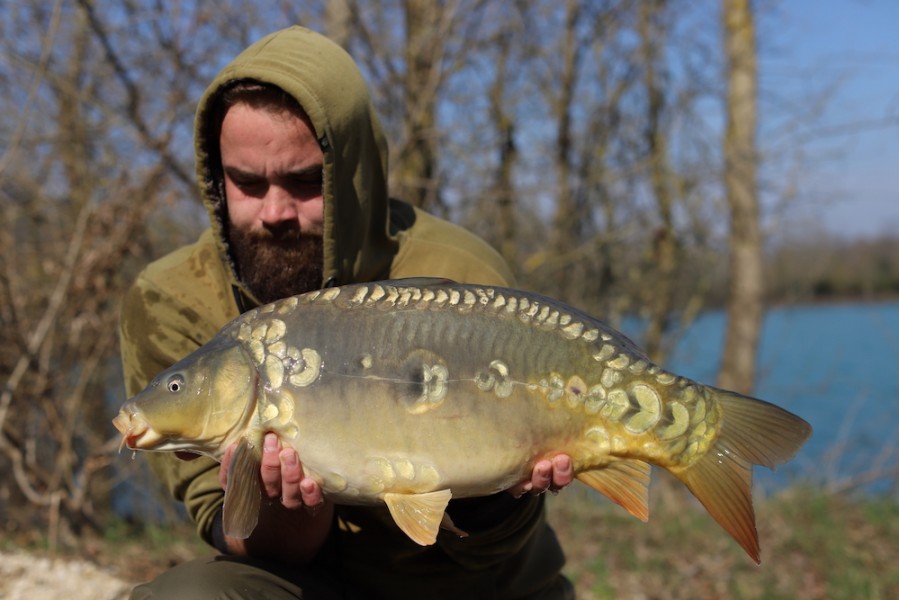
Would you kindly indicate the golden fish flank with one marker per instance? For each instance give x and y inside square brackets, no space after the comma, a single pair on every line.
[277,360]
[495,379]
[408,393]
[434,386]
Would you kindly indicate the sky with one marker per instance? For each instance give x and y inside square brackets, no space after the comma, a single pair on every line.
[847,52]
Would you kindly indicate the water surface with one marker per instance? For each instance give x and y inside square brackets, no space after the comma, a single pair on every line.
[837,366]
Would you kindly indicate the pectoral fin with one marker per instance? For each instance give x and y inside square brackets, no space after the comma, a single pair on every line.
[419,515]
[625,482]
[244,494]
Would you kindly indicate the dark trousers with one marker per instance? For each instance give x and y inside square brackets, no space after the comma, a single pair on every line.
[233,578]
[230,578]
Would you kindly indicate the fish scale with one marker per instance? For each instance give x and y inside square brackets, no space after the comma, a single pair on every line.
[411,392]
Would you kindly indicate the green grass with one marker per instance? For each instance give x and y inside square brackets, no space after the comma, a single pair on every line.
[814,546]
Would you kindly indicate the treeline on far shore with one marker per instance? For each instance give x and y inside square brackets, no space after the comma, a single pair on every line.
[828,268]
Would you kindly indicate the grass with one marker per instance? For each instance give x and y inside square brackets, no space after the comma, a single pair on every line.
[814,546]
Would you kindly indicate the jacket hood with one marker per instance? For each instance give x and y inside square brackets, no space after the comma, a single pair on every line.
[328,86]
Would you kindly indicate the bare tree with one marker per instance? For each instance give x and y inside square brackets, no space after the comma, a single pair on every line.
[565,218]
[408,67]
[96,179]
[662,252]
[504,193]
[424,74]
[745,297]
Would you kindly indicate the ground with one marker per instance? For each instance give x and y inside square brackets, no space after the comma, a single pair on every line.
[32,577]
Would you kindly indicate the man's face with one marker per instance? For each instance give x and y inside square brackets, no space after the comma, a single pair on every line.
[272,166]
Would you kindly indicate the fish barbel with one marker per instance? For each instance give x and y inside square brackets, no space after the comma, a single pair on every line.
[412,392]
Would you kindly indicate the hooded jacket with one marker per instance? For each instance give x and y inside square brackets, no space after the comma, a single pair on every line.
[181,301]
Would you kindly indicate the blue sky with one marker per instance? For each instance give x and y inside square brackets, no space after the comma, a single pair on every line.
[846,51]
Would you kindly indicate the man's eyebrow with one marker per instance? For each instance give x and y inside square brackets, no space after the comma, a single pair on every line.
[238,173]
[310,170]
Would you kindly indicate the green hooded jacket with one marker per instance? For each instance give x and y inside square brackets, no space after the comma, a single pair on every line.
[181,301]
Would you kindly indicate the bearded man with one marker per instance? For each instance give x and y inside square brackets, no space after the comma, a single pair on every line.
[292,168]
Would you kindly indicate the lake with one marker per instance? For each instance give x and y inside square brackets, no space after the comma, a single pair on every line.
[837,366]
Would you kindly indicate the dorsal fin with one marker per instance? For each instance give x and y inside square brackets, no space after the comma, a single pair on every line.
[417,281]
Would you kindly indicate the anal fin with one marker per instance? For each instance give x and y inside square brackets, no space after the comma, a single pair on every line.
[625,482]
[243,498]
[447,523]
[419,515]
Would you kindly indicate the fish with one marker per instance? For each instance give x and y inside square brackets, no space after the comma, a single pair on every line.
[411,392]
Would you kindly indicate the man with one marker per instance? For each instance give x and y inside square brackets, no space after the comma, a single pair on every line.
[292,166]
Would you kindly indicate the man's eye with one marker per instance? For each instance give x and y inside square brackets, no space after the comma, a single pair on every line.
[307,181]
[251,187]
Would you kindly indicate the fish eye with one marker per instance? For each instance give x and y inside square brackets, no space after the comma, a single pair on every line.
[175,383]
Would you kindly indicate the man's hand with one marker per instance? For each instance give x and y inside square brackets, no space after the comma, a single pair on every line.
[552,475]
[282,476]
[283,533]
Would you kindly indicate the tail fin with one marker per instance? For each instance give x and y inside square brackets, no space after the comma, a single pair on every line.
[753,432]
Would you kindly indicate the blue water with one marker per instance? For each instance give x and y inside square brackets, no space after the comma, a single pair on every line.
[837,366]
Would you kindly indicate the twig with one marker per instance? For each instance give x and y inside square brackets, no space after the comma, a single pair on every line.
[34,344]
[39,72]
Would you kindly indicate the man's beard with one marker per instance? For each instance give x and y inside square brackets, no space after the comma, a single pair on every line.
[277,265]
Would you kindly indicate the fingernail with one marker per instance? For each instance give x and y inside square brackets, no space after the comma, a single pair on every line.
[270,443]
[290,459]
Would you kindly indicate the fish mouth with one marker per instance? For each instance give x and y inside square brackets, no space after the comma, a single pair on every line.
[134,429]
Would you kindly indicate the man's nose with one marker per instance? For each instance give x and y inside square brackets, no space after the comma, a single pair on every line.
[278,207]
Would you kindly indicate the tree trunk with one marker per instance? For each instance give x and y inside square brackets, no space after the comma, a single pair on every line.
[745,296]
[565,220]
[418,158]
[504,187]
[663,249]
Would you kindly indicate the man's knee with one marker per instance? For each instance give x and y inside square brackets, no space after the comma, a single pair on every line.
[222,577]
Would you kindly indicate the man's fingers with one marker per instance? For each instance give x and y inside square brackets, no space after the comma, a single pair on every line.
[282,476]
[312,495]
[291,475]
[542,477]
[547,474]
[562,472]
[271,466]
